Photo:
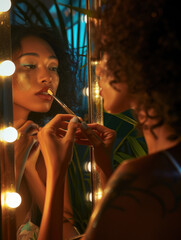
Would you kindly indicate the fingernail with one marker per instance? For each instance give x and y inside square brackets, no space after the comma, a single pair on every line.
[84,125]
[74,119]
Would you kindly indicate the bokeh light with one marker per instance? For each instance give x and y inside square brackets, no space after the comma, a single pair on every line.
[5,5]
[96,90]
[8,134]
[89,197]
[7,68]
[99,194]
[85,91]
[10,199]
[87,166]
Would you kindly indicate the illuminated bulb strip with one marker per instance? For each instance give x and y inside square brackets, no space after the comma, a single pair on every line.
[5,5]
[95,63]
[99,194]
[96,90]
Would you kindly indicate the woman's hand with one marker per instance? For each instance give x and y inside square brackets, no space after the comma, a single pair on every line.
[56,143]
[102,139]
[96,135]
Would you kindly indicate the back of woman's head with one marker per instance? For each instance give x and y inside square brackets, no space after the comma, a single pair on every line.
[67,67]
[142,40]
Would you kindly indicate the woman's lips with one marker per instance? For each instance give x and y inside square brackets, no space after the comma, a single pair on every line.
[100,91]
[44,96]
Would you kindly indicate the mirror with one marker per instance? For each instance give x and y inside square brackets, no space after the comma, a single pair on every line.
[73,24]
[76,29]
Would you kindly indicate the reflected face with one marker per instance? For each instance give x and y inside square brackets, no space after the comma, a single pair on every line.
[36,71]
[115,94]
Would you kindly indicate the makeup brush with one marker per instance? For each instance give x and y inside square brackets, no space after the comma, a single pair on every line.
[86,129]
[68,110]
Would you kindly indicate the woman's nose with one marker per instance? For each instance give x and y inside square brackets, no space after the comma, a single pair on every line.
[47,79]
[45,76]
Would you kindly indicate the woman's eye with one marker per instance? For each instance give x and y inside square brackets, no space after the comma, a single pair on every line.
[54,69]
[113,82]
[115,85]
[29,66]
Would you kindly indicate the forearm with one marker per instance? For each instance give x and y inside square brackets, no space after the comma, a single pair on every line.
[57,153]
[52,218]
[103,165]
[36,186]
[69,231]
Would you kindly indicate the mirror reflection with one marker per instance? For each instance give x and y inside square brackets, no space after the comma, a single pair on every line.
[39,66]
[45,60]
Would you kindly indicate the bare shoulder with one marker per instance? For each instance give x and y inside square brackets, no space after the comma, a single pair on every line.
[140,201]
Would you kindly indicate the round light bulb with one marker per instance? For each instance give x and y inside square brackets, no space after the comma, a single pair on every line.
[8,134]
[85,91]
[13,199]
[87,166]
[5,5]
[84,18]
[7,68]
[89,197]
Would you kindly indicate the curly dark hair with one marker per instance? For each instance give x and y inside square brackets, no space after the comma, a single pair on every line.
[142,41]
[67,69]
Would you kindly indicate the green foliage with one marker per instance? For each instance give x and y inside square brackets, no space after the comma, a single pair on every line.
[26,12]
[80,182]
[129,143]
[87,12]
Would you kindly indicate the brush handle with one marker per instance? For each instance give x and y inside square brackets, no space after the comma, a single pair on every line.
[68,110]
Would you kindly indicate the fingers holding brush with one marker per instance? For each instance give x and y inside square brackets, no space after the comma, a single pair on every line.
[57,150]
[61,130]
[96,135]
[102,139]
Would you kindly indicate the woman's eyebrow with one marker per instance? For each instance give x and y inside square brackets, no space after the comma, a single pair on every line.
[53,57]
[36,55]
[29,54]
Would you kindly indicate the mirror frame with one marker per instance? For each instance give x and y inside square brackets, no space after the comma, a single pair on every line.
[7,176]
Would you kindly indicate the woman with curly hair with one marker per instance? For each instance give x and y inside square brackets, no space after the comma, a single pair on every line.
[140,69]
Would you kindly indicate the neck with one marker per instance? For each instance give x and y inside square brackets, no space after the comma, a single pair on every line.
[161,142]
[20,114]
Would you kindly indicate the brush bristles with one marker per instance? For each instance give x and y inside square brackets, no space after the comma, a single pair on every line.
[50,92]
